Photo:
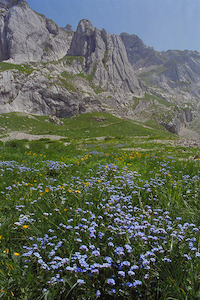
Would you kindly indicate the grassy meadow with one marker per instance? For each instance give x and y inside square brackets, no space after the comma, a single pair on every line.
[109,211]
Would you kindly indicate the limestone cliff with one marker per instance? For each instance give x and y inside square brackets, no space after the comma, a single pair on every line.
[28,36]
[105,59]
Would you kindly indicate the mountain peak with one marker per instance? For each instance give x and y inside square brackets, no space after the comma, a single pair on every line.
[9,3]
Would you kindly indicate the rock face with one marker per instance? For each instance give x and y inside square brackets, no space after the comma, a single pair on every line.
[27,36]
[68,28]
[105,59]
[139,55]
[173,76]
[173,69]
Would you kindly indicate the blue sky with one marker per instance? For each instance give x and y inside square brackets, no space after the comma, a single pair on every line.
[162,24]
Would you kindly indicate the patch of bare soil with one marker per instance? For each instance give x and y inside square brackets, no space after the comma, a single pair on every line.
[17,135]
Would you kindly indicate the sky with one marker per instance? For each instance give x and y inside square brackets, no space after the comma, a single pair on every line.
[162,24]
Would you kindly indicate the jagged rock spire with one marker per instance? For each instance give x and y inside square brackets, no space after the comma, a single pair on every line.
[105,58]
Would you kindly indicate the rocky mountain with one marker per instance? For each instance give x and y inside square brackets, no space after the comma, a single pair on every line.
[105,58]
[171,76]
[48,70]
[28,36]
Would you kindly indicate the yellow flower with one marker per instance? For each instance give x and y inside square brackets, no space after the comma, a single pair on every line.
[16,254]
[0,237]
[6,251]
[26,226]
[70,190]
[46,190]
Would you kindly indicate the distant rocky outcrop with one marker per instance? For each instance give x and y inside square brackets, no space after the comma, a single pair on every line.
[105,59]
[28,36]
[173,76]
[68,28]
[139,55]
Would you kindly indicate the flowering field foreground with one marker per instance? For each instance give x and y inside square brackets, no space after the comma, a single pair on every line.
[72,231]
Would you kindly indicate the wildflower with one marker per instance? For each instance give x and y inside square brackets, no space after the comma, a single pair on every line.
[121,273]
[125,263]
[80,281]
[84,248]
[187,256]
[110,244]
[96,253]
[77,191]
[113,291]
[131,273]
[137,282]
[25,226]
[16,254]
[98,293]
[129,284]
[111,281]
[92,247]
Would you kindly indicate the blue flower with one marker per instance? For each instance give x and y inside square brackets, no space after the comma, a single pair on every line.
[113,291]
[98,293]
[111,281]
[96,253]
[80,281]
[121,273]
[137,282]
[84,248]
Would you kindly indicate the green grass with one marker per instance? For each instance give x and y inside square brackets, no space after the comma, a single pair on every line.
[82,126]
[147,76]
[4,66]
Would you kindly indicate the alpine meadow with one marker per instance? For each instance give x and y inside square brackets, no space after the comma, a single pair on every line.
[99,164]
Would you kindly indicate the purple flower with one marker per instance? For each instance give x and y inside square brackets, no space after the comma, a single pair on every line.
[113,291]
[121,273]
[98,293]
[84,248]
[110,244]
[125,263]
[137,282]
[129,284]
[131,273]
[111,281]
[119,251]
[80,281]
[96,253]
